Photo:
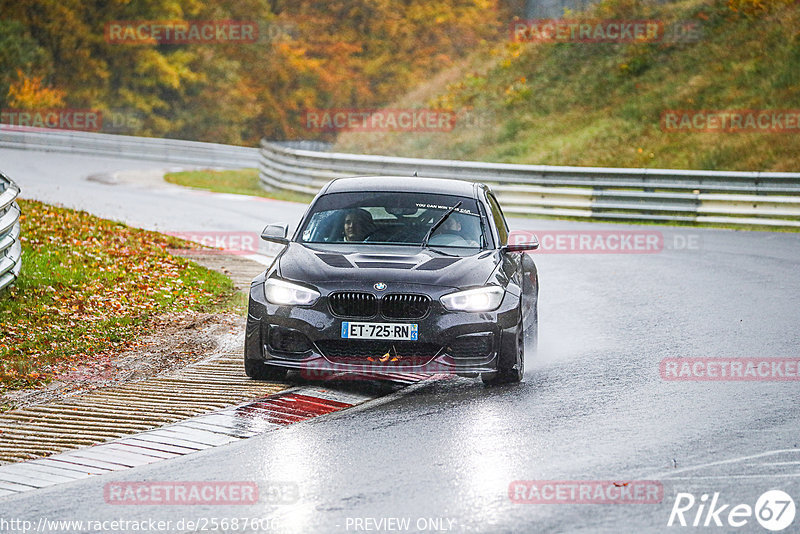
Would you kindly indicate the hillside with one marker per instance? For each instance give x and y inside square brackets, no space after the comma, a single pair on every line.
[601,104]
[257,66]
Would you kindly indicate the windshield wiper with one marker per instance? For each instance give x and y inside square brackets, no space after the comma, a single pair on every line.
[443,253]
[439,223]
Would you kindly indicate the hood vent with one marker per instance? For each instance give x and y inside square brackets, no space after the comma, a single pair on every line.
[335,260]
[437,263]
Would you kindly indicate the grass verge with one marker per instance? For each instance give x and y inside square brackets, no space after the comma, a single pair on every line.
[238,182]
[89,285]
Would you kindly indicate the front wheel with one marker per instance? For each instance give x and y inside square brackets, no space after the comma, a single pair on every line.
[511,362]
[259,370]
[532,334]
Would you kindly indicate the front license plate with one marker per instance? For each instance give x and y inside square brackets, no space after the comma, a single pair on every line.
[406,332]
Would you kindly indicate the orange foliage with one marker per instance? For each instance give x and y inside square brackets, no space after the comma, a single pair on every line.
[28,93]
[756,8]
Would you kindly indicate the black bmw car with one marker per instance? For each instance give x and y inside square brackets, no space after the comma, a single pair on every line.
[396,275]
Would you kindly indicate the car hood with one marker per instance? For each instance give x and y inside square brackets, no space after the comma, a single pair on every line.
[411,265]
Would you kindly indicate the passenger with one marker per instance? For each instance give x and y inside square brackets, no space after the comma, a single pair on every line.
[358,225]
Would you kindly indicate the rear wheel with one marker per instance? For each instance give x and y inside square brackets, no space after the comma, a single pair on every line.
[511,362]
[259,370]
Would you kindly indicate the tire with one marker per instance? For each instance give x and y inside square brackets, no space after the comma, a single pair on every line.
[532,334]
[259,370]
[510,365]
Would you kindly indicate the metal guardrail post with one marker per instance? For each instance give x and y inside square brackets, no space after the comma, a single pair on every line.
[10,245]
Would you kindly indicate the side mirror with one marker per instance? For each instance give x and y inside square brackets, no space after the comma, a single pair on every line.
[276,233]
[533,244]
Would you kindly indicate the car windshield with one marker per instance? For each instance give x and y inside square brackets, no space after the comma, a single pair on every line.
[394,218]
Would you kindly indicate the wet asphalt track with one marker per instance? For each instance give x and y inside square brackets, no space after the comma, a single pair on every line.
[593,405]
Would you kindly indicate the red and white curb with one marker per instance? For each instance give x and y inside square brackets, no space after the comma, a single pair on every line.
[191,435]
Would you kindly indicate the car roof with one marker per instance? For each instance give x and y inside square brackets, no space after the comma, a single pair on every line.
[417,184]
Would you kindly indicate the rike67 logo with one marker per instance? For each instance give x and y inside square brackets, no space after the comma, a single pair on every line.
[774,510]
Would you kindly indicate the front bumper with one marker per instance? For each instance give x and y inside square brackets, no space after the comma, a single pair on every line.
[448,342]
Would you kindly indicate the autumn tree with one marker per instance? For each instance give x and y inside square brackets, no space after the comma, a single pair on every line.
[310,54]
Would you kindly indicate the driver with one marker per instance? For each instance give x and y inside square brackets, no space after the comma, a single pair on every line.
[450,233]
[451,226]
[358,225]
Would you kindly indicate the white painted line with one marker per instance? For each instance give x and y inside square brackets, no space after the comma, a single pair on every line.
[26,471]
[60,471]
[225,418]
[333,395]
[372,403]
[110,456]
[68,465]
[723,477]
[155,437]
[199,436]
[217,429]
[16,488]
[86,462]
[26,480]
[141,450]
[158,447]
[655,475]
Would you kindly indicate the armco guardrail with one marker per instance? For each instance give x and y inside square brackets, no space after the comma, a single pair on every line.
[747,198]
[129,147]
[10,246]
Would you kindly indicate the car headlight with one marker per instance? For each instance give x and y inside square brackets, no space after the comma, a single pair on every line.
[285,293]
[474,300]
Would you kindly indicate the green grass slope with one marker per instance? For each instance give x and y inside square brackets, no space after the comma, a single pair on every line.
[601,104]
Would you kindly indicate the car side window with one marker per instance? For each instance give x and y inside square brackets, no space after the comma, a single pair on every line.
[499,219]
